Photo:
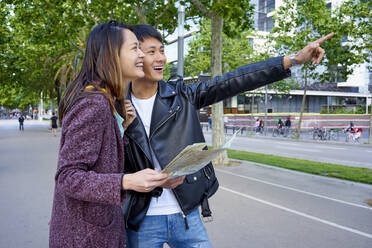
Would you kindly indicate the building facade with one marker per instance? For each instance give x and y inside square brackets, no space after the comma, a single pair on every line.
[353,93]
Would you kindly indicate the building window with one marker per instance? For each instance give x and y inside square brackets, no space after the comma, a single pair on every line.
[265,23]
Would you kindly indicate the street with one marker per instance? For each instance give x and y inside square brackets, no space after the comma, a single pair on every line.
[256,205]
[330,152]
[260,206]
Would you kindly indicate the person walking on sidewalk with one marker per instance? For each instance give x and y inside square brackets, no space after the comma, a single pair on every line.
[288,125]
[21,119]
[54,125]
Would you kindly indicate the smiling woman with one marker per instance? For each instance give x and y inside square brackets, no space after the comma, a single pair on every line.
[89,182]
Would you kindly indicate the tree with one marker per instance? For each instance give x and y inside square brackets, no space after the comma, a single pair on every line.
[299,22]
[42,42]
[236,15]
[235,51]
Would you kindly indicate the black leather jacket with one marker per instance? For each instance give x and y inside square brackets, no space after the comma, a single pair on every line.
[175,124]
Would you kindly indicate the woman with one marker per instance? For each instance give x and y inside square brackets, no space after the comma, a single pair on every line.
[90,183]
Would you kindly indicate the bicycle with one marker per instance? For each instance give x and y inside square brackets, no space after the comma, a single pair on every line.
[279,131]
[332,134]
[318,134]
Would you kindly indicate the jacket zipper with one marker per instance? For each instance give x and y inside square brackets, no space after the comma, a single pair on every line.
[182,212]
[184,218]
[175,111]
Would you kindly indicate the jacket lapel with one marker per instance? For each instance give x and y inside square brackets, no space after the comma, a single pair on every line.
[164,106]
[137,133]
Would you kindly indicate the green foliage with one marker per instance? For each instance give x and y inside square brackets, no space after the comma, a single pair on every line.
[342,110]
[300,22]
[42,42]
[235,52]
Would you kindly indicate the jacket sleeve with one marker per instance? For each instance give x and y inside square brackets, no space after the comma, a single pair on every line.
[245,78]
[81,145]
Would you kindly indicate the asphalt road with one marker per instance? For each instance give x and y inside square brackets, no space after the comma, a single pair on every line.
[259,206]
[331,152]
[256,206]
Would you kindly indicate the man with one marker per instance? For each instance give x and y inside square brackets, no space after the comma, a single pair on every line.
[280,126]
[166,123]
[21,119]
[288,125]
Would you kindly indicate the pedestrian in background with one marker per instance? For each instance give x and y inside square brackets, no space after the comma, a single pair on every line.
[54,125]
[288,124]
[89,182]
[257,125]
[21,119]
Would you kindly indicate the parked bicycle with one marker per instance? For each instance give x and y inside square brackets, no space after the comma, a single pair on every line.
[333,134]
[279,131]
[318,134]
[325,134]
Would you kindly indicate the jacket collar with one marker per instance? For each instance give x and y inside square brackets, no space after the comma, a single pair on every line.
[165,89]
[164,107]
[136,131]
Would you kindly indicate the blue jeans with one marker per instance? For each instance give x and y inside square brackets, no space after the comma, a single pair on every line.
[156,230]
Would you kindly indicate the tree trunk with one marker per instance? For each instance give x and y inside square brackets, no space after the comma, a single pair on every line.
[217,108]
[302,106]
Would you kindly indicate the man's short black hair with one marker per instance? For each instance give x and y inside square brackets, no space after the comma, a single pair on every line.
[143,31]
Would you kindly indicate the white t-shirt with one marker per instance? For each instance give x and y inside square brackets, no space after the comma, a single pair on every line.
[166,203]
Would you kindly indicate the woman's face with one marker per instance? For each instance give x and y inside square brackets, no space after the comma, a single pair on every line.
[131,57]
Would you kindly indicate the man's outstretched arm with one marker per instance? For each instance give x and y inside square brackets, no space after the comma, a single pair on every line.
[252,76]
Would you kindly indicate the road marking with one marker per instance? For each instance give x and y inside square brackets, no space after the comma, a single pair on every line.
[335,148]
[296,190]
[320,146]
[297,149]
[299,213]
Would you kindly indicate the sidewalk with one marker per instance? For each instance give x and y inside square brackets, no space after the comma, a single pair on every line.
[28,161]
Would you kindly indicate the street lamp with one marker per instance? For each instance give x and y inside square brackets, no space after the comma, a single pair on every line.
[181,31]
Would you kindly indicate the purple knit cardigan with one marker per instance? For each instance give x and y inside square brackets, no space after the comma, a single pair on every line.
[88,197]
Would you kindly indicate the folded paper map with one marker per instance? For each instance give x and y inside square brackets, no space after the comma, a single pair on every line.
[193,158]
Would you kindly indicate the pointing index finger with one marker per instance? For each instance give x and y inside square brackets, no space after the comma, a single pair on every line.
[324,38]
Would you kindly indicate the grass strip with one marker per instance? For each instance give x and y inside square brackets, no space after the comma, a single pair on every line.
[356,174]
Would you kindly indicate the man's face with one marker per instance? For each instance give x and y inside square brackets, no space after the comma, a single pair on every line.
[154,60]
